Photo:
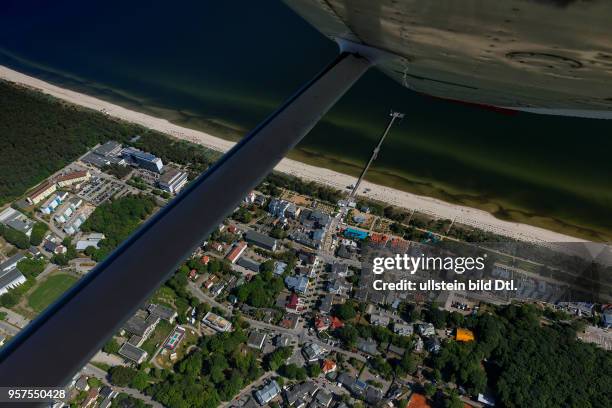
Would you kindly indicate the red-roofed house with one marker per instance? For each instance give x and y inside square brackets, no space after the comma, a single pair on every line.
[236,251]
[322,322]
[336,323]
[205,260]
[328,366]
[379,239]
[418,401]
[294,304]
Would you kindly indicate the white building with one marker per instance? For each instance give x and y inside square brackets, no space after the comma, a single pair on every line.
[88,240]
[10,276]
[75,177]
[172,180]
[41,192]
[216,322]
[53,202]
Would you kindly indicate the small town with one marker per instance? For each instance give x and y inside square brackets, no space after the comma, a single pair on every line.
[274,308]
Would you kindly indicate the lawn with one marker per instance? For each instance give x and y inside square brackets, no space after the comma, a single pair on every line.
[160,333]
[49,290]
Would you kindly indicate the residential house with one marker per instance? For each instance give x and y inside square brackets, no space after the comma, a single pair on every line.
[297,284]
[256,340]
[426,329]
[313,352]
[328,366]
[326,302]
[403,329]
[368,346]
[379,320]
[298,395]
[267,393]
[216,322]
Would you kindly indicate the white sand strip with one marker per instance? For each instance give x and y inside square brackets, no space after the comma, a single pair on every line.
[434,207]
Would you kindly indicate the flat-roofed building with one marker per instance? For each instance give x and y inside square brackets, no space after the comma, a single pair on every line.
[16,220]
[142,159]
[110,148]
[172,180]
[42,191]
[133,353]
[163,312]
[249,264]
[260,240]
[92,239]
[216,322]
[140,325]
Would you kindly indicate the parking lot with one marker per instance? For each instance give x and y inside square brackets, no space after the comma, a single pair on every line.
[99,189]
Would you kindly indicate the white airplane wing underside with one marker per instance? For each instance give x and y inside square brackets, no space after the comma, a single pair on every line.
[541,56]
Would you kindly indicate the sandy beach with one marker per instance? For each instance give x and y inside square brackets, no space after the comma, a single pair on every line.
[436,208]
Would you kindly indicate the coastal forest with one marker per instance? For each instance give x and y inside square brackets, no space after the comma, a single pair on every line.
[41,134]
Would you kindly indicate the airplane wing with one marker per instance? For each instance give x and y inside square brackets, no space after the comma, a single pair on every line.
[62,339]
[541,56]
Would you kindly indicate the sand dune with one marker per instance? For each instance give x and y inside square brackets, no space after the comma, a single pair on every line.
[434,207]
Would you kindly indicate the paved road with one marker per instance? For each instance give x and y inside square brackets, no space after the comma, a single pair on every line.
[51,226]
[110,359]
[93,371]
[247,390]
[8,328]
[48,269]
[14,318]
[299,332]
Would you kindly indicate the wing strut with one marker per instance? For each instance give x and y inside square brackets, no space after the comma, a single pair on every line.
[66,336]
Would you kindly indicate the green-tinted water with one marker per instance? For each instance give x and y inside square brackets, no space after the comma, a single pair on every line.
[224,67]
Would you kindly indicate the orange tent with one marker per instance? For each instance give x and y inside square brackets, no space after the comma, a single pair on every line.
[464,335]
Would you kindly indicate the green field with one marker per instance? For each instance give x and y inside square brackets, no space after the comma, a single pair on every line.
[160,333]
[49,290]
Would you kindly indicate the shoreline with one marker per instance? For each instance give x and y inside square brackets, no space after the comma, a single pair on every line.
[430,206]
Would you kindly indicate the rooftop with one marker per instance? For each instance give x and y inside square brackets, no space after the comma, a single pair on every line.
[107,148]
[267,392]
[44,186]
[248,264]
[256,339]
[260,239]
[73,175]
[132,352]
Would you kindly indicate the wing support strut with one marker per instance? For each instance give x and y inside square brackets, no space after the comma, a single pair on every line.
[67,334]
